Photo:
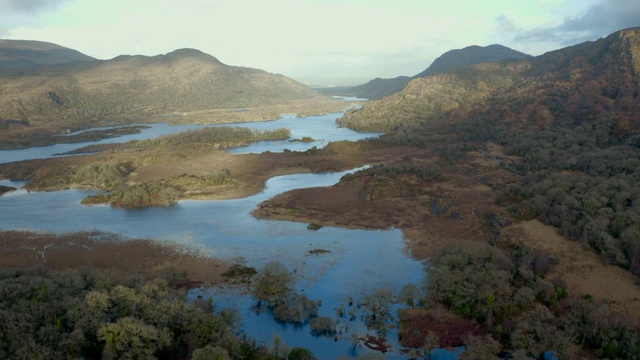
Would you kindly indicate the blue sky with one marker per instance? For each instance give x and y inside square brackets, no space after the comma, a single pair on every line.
[315,41]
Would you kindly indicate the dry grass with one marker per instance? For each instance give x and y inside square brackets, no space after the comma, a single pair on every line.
[111,253]
[582,270]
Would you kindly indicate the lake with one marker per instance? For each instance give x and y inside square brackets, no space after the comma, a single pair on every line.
[357,262]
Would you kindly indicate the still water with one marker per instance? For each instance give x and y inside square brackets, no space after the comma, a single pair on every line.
[357,262]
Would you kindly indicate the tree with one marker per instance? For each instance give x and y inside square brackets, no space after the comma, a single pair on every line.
[410,295]
[299,353]
[481,348]
[273,282]
[131,338]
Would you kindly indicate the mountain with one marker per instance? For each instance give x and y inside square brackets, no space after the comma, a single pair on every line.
[592,79]
[470,55]
[97,93]
[379,88]
[374,89]
[24,54]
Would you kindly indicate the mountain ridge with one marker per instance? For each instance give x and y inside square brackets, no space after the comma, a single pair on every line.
[581,80]
[30,54]
[471,55]
[75,95]
[378,88]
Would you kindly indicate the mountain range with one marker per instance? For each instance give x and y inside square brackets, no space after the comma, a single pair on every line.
[57,89]
[600,78]
[450,60]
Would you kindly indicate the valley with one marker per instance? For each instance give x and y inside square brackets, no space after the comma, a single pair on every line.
[499,205]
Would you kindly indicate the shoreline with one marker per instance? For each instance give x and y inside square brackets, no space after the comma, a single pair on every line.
[46,135]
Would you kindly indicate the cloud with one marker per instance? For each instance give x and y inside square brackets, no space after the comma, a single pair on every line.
[30,6]
[599,20]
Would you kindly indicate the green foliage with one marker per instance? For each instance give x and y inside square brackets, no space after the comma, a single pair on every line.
[137,196]
[582,180]
[217,177]
[378,309]
[211,353]
[481,348]
[410,295]
[473,285]
[131,338]
[273,282]
[322,325]
[294,308]
[224,136]
[299,353]
[85,314]
[507,292]
[425,170]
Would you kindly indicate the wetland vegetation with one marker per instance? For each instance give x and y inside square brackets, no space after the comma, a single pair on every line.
[517,187]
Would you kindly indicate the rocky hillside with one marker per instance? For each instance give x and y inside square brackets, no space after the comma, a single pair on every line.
[600,78]
[91,93]
[22,55]
[379,88]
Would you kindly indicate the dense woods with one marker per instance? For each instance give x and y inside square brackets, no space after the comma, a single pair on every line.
[583,178]
[89,314]
[505,289]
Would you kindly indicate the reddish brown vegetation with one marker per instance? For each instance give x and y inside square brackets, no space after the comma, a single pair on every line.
[111,253]
[450,329]
[376,343]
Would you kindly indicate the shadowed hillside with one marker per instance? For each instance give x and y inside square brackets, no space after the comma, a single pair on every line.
[471,55]
[23,55]
[379,88]
[586,80]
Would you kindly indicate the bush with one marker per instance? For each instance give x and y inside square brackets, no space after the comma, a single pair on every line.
[323,325]
[85,314]
[299,353]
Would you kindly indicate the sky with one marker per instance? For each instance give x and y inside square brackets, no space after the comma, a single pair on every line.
[318,42]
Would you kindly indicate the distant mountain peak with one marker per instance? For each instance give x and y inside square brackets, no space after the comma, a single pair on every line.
[30,54]
[189,52]
[471,55]
[592,80]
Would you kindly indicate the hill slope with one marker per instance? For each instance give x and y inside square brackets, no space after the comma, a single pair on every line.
[586,80]
[379,88]
[20,55]
[567,127]
[92,93]
[471,55]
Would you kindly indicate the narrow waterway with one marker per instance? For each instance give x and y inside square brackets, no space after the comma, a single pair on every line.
[356,262]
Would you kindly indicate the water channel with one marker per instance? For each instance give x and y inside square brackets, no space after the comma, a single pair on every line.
[357,262]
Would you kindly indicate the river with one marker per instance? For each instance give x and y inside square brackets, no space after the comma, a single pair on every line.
[357,262]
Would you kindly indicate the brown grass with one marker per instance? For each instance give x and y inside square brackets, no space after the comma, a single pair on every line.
[582,270]
[111,253]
